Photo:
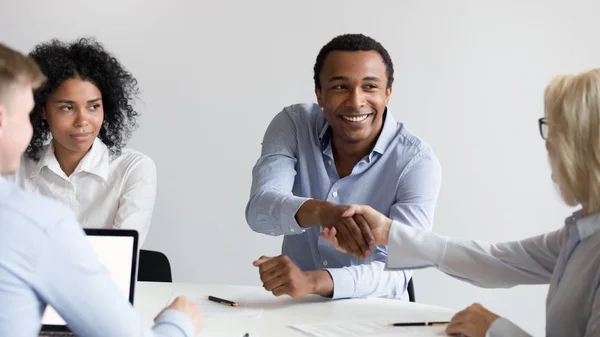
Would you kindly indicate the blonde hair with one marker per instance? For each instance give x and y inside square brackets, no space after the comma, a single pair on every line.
[572,107]
[16,68]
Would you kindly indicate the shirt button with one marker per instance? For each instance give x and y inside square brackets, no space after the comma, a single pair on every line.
[291,230]
[334,194]
[329,162]
[325,263]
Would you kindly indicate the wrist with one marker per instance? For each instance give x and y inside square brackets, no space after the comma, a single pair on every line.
[385,232]
[322,211]
[312,213]
[320,282]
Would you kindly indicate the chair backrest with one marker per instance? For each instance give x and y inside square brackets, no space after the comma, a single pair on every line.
[154,267]
[411,290]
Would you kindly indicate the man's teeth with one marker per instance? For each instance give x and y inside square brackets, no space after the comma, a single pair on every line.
[356,118]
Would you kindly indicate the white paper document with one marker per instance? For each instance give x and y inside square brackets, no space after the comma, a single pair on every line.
[213,309]
[365,329]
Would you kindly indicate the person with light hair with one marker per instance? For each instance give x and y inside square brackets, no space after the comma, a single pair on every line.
[568,259]
[45,258]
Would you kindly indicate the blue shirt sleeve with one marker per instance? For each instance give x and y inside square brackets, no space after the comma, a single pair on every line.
[272,207]
[69,277]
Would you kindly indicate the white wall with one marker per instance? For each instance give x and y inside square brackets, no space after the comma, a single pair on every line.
[469,79]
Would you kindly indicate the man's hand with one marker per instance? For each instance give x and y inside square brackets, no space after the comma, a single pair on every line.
[186,306]
[353,231]
[330,236]
[355,234]
[474,321]
[379,226]
[282,277]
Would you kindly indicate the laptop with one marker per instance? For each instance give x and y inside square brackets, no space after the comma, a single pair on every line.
[117,250]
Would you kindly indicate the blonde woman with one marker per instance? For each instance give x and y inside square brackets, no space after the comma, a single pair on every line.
[568,259]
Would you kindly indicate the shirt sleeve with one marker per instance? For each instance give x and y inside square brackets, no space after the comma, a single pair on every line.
[137,199]
[417,193]
[70,278]
[530,261]
[505,328]
[272,207]
[593,325]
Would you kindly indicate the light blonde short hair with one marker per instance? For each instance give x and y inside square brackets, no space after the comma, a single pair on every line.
[16,68]
[572,107]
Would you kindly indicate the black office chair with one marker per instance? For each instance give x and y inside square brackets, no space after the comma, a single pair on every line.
[411,290]
[154,267]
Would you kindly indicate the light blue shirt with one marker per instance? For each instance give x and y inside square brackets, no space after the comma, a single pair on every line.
[568,259]
[401,178]
[46,259]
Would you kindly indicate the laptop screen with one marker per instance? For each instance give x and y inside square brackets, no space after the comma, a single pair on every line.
[116,253]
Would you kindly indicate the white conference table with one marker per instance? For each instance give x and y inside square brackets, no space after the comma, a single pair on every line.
[280,312]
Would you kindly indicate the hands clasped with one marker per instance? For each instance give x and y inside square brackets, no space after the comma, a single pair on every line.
[357,229]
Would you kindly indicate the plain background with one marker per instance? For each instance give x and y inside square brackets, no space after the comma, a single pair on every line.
[469,75]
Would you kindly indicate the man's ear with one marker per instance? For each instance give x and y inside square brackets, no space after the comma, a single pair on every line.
[388,95]
[318,94]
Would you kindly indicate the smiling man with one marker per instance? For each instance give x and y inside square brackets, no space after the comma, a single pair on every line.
[347,149]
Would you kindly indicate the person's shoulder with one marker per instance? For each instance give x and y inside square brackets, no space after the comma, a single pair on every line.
[131,161]
[407,139]
[26,169]
[129,156]
[304,112]
[24,207]
[411,148]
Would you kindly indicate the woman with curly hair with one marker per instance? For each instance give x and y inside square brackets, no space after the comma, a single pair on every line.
[82,120]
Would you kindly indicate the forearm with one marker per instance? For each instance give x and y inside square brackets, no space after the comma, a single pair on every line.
[172,323]
[322,282]
[503,327]
[273,206]
[479,263]
[369,280]
[310,213]
[105,310]
[273,212]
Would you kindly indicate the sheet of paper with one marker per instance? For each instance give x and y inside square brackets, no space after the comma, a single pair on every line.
[213,309]
[365,329]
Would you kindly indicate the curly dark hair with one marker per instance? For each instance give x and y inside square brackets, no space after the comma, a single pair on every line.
[353,42]
[85,59]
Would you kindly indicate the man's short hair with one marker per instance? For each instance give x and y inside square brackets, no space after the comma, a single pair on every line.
[16,68]
[353,42]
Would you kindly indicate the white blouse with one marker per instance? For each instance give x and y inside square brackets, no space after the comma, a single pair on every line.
[104,191]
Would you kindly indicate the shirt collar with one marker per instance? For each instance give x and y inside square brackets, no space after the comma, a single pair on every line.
[94,162]
[586,225]
[388,132]
[324,133]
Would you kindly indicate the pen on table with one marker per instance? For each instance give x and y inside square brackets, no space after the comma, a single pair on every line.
[222,301]
[420,324]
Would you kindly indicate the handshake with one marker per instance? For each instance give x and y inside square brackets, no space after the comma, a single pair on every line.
[355,229]
[351,229]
